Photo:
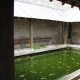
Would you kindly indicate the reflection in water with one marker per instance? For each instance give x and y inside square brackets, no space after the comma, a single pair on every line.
[32,68]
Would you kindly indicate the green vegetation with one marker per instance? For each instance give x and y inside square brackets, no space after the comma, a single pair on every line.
[39,46]
[49,66]
[56,44]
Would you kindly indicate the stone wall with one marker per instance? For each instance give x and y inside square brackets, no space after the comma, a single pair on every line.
[43,29]
[21,28]
[76,33]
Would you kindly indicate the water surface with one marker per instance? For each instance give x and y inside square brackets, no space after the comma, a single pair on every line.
[49,66]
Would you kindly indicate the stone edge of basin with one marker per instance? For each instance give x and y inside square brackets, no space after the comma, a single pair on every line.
[72,76]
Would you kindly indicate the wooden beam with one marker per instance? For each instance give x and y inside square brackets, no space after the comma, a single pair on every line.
[31,32]
[73,4]
[65,33]
[6,40]
[51,0]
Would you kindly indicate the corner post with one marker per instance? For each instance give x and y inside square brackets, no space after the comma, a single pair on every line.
[65,33]
[31,32]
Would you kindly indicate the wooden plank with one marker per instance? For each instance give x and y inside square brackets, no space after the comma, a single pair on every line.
[26,40]
[31,32]
[6,40]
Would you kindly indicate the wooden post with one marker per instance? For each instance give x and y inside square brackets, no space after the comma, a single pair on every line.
[62,31]
[65,33]
[31,32]
[6,40]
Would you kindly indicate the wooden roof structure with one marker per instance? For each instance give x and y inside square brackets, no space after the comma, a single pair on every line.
[71,2]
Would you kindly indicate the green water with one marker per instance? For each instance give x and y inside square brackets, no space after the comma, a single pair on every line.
[48,66]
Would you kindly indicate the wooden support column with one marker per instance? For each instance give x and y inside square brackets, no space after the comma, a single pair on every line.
[65,33]
[6,40]
[31,32]
[62,32]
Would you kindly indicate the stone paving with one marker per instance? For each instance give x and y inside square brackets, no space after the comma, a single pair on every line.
[25,51]
[20,52]
[72,76]
[74,46]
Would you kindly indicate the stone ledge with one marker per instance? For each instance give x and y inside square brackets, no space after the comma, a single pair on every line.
[73,76]
[22,52]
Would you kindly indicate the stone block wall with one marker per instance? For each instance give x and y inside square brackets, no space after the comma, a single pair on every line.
[43,29]
[76,33]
